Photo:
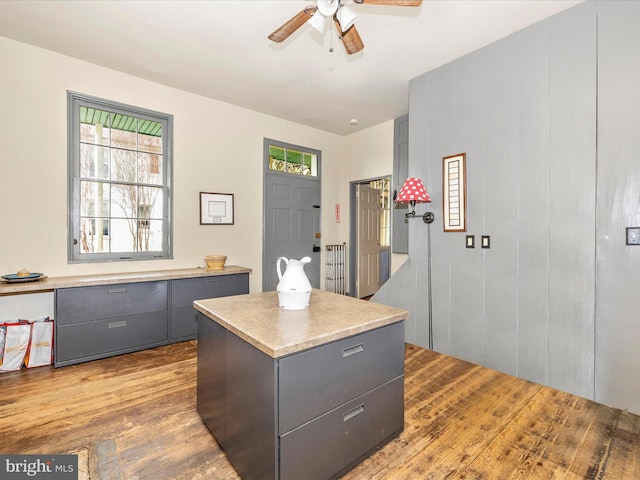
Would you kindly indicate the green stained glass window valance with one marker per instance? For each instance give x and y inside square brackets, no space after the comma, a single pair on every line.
[292,161]
[118,121]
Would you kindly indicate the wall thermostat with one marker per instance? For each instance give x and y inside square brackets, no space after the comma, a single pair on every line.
[633,235]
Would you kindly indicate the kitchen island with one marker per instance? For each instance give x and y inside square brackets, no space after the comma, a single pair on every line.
[304,394]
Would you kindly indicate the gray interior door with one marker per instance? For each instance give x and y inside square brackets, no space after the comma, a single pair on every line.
[292,225]
[400,227]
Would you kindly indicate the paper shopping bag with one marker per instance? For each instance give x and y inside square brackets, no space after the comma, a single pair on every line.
[40,349]
[16,342]
[3,332]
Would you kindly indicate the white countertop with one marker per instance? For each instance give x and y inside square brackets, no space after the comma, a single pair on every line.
[50,284]
[257,319]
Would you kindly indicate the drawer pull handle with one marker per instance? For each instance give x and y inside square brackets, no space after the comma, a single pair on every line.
[211,282]
[116,290]
[347,352]
[353,413]
[122,323]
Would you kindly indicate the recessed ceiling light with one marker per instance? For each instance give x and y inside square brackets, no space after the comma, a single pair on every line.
[354,121]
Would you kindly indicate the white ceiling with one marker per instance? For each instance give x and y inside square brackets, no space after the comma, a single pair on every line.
[220,49]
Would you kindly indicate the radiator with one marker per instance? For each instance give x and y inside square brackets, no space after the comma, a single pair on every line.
[336,260]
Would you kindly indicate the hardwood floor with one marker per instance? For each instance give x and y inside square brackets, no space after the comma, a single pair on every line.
[136,417]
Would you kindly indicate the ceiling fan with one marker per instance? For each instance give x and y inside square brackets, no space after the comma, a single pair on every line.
[342,16]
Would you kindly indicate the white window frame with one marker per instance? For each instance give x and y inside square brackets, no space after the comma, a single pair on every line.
[74,102]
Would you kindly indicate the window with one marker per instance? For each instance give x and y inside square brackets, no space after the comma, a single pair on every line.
[382,184]
[289,160]
[120,160]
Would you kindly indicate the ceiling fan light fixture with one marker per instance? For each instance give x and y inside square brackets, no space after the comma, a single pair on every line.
[318,21]
[345,17]
[342,17]
[328,7]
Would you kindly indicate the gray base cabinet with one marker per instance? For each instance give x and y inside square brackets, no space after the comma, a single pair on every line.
[185,291]
[104,320]
[311,415]
[342,437]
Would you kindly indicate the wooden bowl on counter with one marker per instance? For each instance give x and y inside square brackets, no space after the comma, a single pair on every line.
[215,262]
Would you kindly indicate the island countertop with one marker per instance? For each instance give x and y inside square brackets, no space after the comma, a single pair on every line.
[257,319]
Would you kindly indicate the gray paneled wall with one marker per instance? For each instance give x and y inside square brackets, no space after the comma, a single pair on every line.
[515,110]
[527,110]
[618,205]
[533,220]
[572,169]
[400,230]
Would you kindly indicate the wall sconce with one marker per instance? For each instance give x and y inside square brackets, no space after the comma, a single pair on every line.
[413,192]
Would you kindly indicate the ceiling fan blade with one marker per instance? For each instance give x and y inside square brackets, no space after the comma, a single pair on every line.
[292,25]
[350,39]
[397,3]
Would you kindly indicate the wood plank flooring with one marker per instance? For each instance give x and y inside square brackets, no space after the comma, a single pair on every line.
[136,417]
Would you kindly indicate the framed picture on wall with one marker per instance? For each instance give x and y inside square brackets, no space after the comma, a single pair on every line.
[454,188]
[216,208]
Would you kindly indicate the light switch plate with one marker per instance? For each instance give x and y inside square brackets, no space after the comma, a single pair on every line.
[471,241]
[633,235]
[486,241]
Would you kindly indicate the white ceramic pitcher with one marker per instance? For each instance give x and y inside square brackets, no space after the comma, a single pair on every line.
[294,288]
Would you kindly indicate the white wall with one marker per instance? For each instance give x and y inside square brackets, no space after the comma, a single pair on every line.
[218,147]
[368,154]
[33,306]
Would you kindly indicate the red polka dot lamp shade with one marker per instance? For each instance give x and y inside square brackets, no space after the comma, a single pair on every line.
[413,191]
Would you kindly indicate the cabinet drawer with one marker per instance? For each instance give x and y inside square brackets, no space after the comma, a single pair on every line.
[183,323]
[185,291]
[85,304]
[334,441]
[91,340]
[317,380]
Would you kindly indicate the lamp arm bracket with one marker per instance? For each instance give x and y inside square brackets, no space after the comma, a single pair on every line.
[428,217]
